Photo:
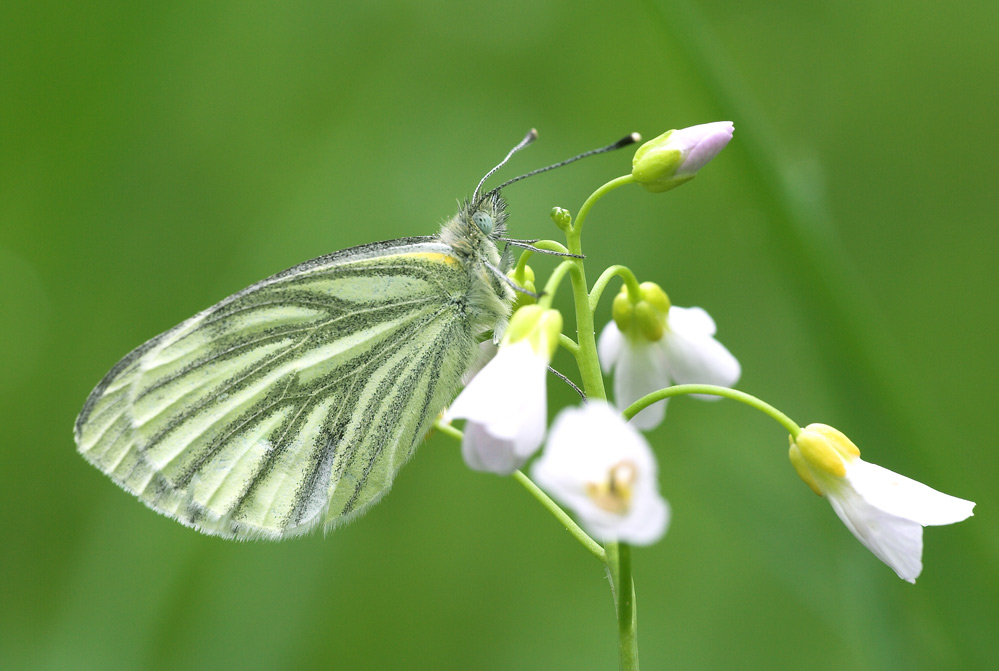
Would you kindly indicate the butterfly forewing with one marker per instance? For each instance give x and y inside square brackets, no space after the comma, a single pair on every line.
[295,401]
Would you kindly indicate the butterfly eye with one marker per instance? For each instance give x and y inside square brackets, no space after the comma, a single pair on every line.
[483,221]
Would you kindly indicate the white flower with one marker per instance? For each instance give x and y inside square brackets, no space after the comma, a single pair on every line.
[884,510]
[505,404]
[674,157]
[660,347]
[601,468]
[506,408]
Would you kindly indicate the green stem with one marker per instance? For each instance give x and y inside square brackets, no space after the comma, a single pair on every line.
[522,262]
[551,246]
[586,354]
[568,343]
[627,615]
[592,200]
[554,280]
[714,390]
[584,539]
[623,591]
[586,357]
[448,430]
[630,281]
[618,555]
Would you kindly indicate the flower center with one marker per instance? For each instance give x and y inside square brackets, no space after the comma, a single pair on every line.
[614,493]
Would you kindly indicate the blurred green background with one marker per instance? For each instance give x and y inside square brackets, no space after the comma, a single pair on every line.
[156,157]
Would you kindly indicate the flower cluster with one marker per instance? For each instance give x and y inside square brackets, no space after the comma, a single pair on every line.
[599,466]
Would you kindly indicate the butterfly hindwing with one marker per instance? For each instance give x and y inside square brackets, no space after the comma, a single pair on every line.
[294,402]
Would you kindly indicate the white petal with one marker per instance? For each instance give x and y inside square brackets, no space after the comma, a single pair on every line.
[533,414]
[707,141]
[484,452]
[498,385]
[904,497]
[692,321]
[584,445]
[645,524]
[693,355]
[505,405]
[894,540]
[641,370]
[609,346]
[504,445]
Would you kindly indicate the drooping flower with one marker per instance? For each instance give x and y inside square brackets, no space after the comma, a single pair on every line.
[884,510]
[650,345]
[674,157]
[602,469]
[505,404]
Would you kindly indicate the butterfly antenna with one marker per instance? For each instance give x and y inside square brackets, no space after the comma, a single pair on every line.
[569,382]
[528,139]
[623,142]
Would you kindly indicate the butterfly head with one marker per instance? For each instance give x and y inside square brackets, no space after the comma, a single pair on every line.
[488,215]
[482,219]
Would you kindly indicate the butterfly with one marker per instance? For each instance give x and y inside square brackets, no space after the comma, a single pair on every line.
[294,402]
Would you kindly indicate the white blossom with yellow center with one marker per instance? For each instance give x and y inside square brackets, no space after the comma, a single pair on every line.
[601,468]
[884,510]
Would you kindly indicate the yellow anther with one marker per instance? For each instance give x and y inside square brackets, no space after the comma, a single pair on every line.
[614,494]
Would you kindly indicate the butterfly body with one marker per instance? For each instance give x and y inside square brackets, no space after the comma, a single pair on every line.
[295,402]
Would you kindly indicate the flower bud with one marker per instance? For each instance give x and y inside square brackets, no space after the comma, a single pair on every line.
[562,218]
[820,451]
[654,295]
[540,327]
[623,311]
[674,157]
[647,316]
[524,278]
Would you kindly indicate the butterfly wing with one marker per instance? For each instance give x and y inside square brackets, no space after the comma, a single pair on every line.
[294,402]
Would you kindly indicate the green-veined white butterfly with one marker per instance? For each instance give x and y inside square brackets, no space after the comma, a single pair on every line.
[295,402]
